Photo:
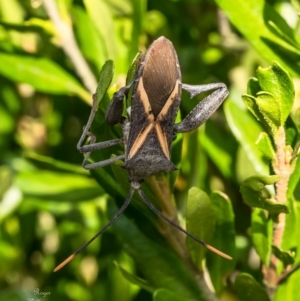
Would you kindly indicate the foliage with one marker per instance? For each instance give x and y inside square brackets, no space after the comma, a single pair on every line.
[52,54]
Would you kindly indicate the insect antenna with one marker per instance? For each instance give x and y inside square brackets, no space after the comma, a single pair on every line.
[120,211]
[156,211]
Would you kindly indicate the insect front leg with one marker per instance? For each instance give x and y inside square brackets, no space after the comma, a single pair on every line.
[115,109]
[203,109]
[93,146]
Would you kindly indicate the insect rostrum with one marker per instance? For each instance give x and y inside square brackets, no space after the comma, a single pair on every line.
[148,133]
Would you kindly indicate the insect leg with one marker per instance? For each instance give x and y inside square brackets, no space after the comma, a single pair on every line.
[115,109]
[203,109]
[92,146]
[156,211]
[120,211]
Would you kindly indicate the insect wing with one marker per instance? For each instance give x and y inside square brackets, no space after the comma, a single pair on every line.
[156,97]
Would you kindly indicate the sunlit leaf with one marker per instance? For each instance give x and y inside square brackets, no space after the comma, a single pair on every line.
[223,239]
[261,229]
[253,19]
[246,130]
[103,25]
[88,38]
[200,221]
[41,73]
[105,78]
[276,81]
[264,144]
[289,290]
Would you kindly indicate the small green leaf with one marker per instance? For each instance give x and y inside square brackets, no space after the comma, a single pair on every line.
[256,195]
[134,67]
[294,178]
[285,257]
[163,294]
[105,78]
[269,108]
[248,289]
[276,81]
[223,239]
[42,74]
[200,221]
[291,234]
[264,144]
[250,102]
[261,228]
[246,130]
[291,131]
[253,86]
[131,74]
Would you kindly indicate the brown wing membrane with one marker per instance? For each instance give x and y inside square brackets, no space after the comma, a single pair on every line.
[160,73]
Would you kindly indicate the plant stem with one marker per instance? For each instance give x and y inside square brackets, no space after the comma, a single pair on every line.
[281,166]
[70,47]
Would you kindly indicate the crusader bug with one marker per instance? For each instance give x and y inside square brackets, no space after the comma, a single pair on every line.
[148,133]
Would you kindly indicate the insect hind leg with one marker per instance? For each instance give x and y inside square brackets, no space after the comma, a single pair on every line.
[205,108]
[156,211]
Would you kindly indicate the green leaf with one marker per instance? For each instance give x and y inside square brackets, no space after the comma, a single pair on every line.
[135,280]
[51,185]
[285,257]
[166,295]
[276,81]
[261,229]
[253,19]
[211,140]
[223,239]
[253,86]
[256,195]
[246,130]
[49,163]
[291,131]
[103,25]
[159,265]
[105,78]
[269,108]
[289,290]
[294,178]
[200,221]
[248,289]
[250,102]
[264,144]
[88,39]
[32,25]
[131,74]
[41,73]
[291,234]
[134,67]
[10,195]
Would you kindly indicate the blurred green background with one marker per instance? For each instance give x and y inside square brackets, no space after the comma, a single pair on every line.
[51,54]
